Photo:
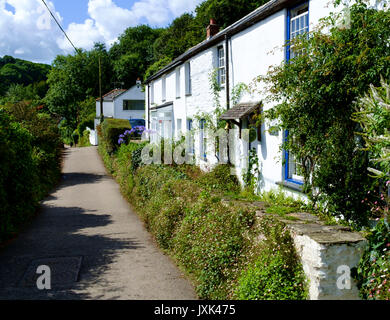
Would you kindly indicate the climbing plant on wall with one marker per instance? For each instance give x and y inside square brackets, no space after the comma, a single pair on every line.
[314,98]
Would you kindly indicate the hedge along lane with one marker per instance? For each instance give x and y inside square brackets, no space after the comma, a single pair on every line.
[87,217]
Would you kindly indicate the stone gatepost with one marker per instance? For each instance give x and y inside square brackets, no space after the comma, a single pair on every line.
[327,254]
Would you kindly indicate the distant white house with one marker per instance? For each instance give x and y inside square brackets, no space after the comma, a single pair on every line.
[177,94]
[121,104]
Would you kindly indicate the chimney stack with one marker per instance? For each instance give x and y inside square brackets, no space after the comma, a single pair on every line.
[212,29]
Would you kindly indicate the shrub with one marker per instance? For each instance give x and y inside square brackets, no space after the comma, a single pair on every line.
[315,96]
[210,242]
[46,142]
[126,162]
[133,134]
[373,114]
[18,176]
[84,139]
[275,272]
[220,179]
[181,206]
[373,271]
[66,132]
[75,137]
[111,130]
[84,125]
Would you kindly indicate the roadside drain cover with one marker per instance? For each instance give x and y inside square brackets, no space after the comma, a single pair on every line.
[63,271]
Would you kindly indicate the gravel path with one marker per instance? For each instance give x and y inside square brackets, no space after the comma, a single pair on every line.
[94,244]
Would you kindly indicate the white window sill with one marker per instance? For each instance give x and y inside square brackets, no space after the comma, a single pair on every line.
[290,185]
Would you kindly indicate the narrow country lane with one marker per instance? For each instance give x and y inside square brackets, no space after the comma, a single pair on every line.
[95,245]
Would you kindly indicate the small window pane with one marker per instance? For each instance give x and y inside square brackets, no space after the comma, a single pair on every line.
[133,105]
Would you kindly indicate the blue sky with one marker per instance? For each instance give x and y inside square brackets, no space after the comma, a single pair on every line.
[77,10]
[28,32]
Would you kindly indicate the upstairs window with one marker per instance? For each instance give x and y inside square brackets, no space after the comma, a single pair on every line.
[178,128]
[298,25]
[152,93]
[178,83]
[221,66]
[164,89]
[188,78]
[133,105]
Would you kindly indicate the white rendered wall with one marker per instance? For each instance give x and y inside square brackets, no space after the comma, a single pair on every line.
[251,53]
[133,93]
[108,109]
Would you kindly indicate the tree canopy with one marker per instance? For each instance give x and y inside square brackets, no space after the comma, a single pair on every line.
[74,78]
[20,72]
[139,52]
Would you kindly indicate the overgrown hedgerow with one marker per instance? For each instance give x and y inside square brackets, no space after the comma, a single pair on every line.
[273,271]
[213,242]
[30,154]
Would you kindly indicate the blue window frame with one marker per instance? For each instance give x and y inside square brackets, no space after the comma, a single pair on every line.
[297,24]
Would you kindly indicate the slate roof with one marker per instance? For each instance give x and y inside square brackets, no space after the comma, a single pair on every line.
[241,110]
[255,16]
[112,95]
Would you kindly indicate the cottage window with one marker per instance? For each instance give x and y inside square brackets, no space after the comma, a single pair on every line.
[221,66]
[178,83]
[152,93]
[188,78]
[164,89]
[190,139]
[178,128]
[203,140]
[297,24]
[133,105]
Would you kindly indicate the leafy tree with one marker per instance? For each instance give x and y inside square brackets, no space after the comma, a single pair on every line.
[315,94]
[182,34]
[16,71]
[128,68]
[33,93]
[157,66]
[225,12]
[73,78]
[133,53]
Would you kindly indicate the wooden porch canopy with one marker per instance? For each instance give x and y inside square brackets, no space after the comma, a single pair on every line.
[242,111]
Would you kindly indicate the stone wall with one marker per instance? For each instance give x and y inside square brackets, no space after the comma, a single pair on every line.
[327,253]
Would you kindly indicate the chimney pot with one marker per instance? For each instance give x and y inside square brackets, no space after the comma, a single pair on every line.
[212,29]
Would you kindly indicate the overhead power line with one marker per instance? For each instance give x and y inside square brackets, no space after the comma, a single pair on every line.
[58,24]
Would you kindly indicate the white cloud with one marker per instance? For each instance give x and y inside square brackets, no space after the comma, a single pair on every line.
[30,33]
[107,20]
[27,32]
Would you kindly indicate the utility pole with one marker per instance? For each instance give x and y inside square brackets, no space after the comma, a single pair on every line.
[100,91]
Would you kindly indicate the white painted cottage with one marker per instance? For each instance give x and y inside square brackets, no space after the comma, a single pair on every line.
[176,94]
[121,104]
